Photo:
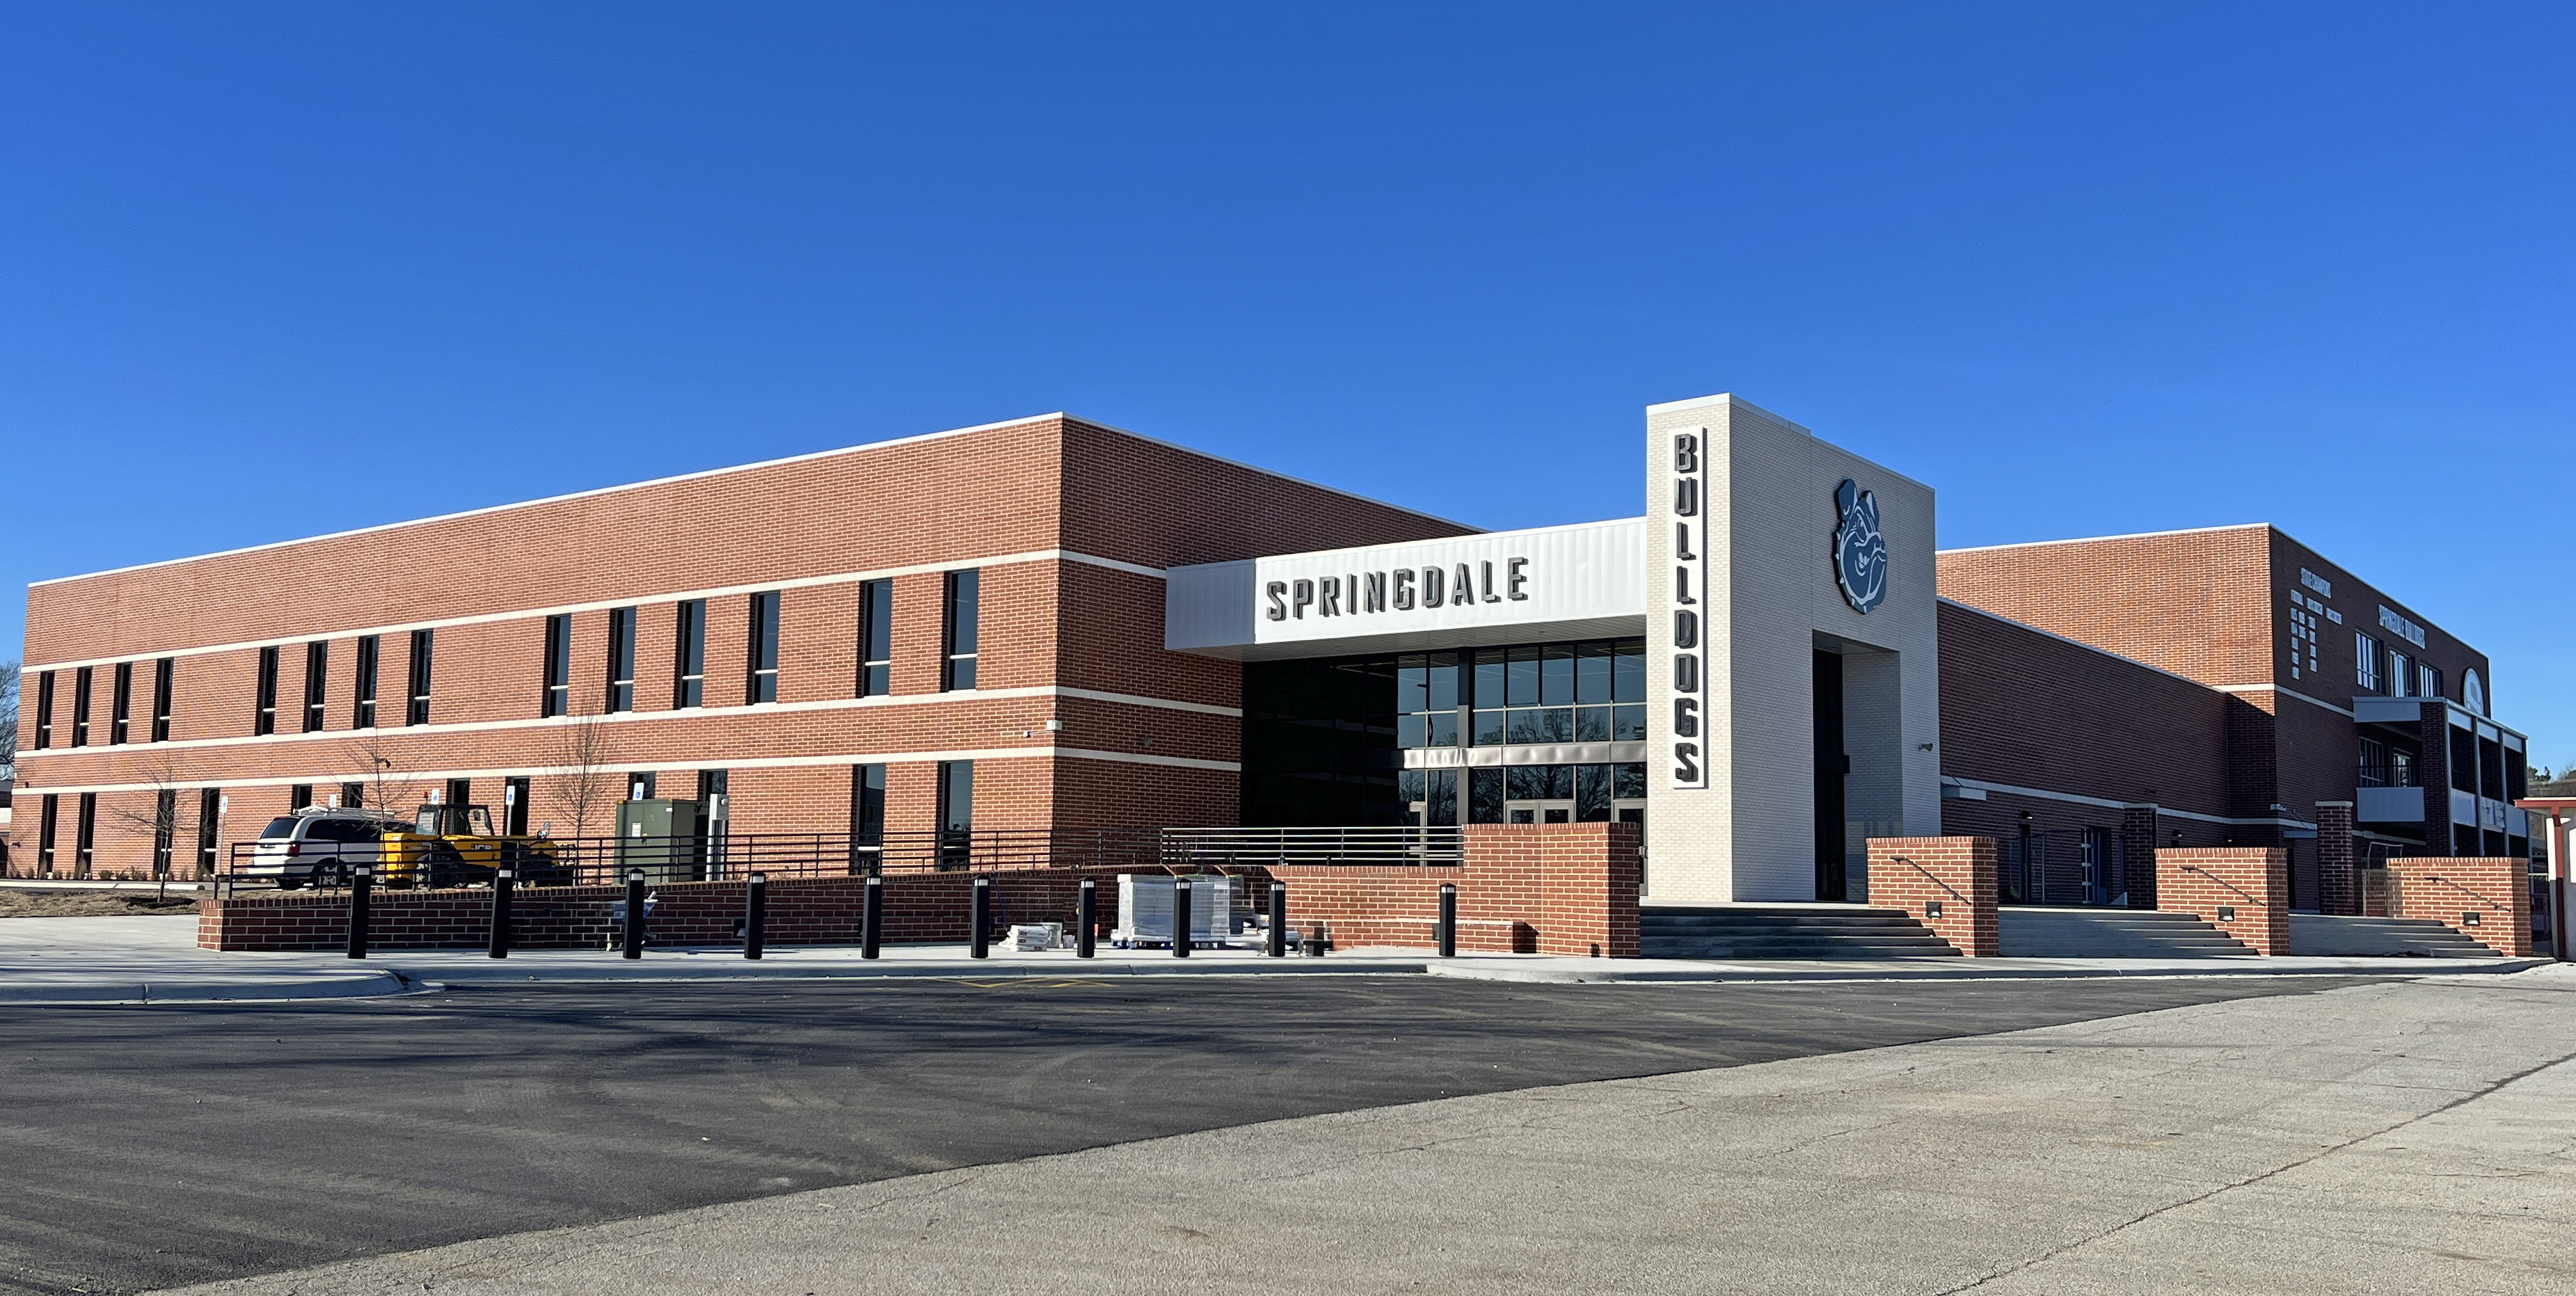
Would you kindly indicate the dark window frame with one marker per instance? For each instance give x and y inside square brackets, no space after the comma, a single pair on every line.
[49,817]
[165,828]
[760,660]
[689,656]
[164,683]
[362,709]
[85,842]
[956,823]
[80,706]
[210,814]
[961,609]
[44,710]
[620,694]
[867,818]
[555,695]
[263,716]
[317,684]
[876,638]
[420,672]
[120,703]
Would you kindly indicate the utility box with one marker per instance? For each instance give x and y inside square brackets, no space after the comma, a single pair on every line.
[663,838]
[1145,909]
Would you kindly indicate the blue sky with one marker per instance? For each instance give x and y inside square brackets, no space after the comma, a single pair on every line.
[270,270]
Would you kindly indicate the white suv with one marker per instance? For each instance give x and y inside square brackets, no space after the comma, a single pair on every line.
[318,844]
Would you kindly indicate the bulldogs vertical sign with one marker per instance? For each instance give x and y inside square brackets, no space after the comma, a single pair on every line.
[1685,591]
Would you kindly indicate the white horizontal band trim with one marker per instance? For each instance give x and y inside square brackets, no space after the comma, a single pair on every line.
[639,767]
[2106,803]
[638,717]
[601,605]
[2345,712]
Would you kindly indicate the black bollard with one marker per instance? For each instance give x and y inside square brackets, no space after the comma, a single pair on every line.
[1448,920]
[755,913]
[1278,920]
[980,943]
[872,918]
[1181,917]
[501,883]
[634,914]
[1086,916]
[360,883]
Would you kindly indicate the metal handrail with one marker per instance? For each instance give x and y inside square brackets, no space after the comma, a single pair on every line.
[2500,906]
[2249,897]
[1934,877]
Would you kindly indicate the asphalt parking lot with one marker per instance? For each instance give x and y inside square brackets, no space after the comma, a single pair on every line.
[150,1147]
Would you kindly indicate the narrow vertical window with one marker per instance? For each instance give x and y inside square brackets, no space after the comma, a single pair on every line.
[362,715]
[264,718]
[876,638]
[557,698]
[85,846]
[120,704]
[514,807]
[210,814]
[80,707]
[957,631]
[317,677]
[352,796]
[956,813]
[299,796]
[689,686]
[417,710]
[165,827]
[161,682]
[621,659]
[763,683]
[48,822]
[2365,657]
[460,792]
[44,710]
[867,819]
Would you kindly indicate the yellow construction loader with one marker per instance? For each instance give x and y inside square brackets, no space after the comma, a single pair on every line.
[454,846]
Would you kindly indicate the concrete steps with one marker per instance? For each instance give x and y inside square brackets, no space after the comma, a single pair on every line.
[1786,932]
[2035,932]
[2354,937]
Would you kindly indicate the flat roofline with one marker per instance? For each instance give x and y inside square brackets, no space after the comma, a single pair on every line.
[2133,535]
[1392,544]
[1732,400]
[735,468]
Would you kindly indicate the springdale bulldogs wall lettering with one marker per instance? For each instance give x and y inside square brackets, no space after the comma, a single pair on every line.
[1860,550]
[1687,472]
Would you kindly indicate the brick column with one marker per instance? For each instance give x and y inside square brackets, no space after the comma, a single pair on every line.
[2486,900]
[2338,890]
[1946,883]
[2243,891]
[2138,854]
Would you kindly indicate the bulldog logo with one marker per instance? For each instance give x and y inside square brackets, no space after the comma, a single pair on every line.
[1860,552]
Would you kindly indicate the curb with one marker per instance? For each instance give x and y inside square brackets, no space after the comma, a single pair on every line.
[184,990]
[501,973]
[2408,968]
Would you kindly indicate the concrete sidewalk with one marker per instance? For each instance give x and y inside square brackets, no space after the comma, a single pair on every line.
[2405,1136]
[154,959]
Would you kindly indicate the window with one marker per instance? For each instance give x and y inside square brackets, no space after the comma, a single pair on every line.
[691,656]
[1538,693]
[2401,674]
[161,681]
[621,659]
[762,684]
[2365,659]
[44,710]
[957,631]
[120,703]
[264,717]
[416,710]
[317,677]
[2428,681]
[956,812]
[210,814]
[85,846]
[352,795]
[299,796]
[48,820]
[165,825]
[876,638]
[557,697]
[867,818]
[514,807]
[715,812]
[80,707]
[640,786]
[363,715]
[460,792]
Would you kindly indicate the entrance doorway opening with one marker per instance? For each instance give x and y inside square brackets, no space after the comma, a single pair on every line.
[1833,766]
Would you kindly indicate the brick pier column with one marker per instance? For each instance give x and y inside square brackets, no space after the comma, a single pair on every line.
[2243,891]
[2138,854]
[2338,889]
[1946,883]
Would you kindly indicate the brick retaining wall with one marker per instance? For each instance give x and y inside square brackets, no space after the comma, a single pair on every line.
[2251,883]
[2448,889]
[1958,873]
[1525,888]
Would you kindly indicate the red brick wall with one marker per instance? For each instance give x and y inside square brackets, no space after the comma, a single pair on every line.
[1913,873]
[2448,889]
[2338,888]
[1524,888]
[2253,882]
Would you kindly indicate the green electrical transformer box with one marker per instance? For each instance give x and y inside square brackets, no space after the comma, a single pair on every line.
[661,837]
